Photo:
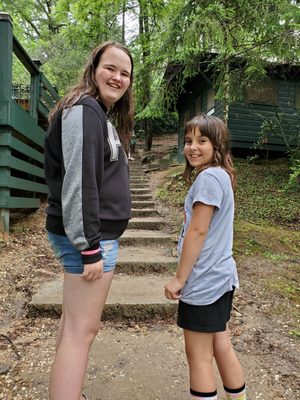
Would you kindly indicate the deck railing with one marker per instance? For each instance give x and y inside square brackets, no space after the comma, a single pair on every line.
[23,123]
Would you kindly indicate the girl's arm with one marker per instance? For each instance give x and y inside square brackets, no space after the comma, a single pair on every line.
[192,246]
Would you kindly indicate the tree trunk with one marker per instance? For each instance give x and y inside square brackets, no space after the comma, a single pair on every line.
[145,42]
[123,21]
[226,93]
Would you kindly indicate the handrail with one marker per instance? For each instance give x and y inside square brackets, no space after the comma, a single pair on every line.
[28,63]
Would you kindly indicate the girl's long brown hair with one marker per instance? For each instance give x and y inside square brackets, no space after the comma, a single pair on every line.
[121,112]
[217,132]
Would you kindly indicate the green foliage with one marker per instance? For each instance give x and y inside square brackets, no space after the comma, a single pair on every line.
[61,33]
[295,333]
[20,75]
[262,196]
[284,288]
[294,179]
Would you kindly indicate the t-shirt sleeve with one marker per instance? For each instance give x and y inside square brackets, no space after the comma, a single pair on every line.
[207,190]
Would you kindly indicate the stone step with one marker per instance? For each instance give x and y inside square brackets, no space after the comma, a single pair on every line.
[135,162]
[142,204]
[138,179]
[138,172]
[141,197]
[143,260]
[139,185]
[136,168]
[138,298]
[140,191]
[143,212]
[139,237]
[150,223]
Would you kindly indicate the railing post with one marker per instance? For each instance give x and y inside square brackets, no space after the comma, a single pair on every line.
[6,57]
[35,91]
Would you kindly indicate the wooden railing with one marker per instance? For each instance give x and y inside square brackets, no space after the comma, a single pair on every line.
[23,124]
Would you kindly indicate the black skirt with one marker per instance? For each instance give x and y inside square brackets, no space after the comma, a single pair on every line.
[209,318]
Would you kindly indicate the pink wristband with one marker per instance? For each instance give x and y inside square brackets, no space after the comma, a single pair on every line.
[90,252]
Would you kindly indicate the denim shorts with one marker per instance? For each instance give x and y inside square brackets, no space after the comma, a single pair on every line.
[70,257]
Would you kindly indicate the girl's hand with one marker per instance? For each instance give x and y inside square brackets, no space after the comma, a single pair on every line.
[94,271]
[173,289]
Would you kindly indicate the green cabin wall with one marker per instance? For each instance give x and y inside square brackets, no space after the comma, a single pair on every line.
[245,119]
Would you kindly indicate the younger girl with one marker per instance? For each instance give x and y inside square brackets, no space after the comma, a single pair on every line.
[206,275]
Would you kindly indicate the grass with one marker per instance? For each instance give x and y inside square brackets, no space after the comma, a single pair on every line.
[262,195]
[275,242]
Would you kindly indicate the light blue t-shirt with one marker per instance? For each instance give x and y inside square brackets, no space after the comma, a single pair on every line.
[215,270]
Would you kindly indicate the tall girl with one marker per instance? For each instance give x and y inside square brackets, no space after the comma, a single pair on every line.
[89,202]
[206,275]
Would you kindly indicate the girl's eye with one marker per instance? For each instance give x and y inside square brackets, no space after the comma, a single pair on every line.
[202,140]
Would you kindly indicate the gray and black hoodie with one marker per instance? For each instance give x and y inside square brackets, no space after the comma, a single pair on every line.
[87,174]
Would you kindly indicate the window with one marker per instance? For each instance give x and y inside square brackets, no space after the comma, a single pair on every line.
[264,93]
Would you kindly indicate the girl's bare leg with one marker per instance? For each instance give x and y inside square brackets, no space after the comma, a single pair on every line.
[199,352]
[83,303]
[228,364]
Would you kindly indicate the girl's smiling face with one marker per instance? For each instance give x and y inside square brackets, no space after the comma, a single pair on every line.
[198,149]
[113,75]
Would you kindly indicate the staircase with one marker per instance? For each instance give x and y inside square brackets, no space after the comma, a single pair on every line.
[145,264]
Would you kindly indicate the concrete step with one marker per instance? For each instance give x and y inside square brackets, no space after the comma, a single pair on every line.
[134,162]
[145,260]
[138,172]
[139,179]
[139,237]
[136,168]
[138,298]
[139,185]
[143,212]
[140,191]
[141,197]
[142,204]
[146,223]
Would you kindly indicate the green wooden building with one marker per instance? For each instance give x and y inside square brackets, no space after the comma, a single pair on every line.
[273,103]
